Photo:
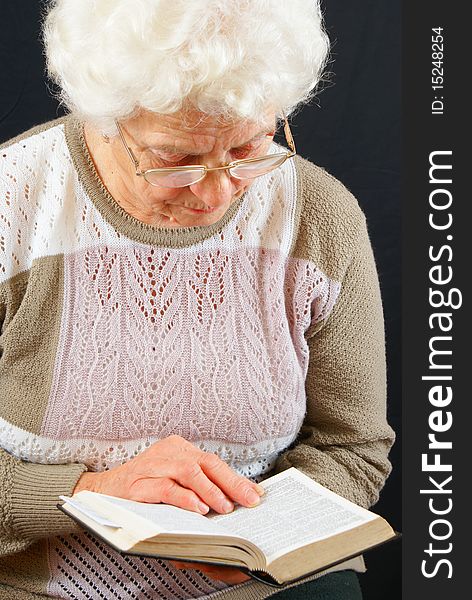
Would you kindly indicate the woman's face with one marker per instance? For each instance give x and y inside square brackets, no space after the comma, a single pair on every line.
[169,140]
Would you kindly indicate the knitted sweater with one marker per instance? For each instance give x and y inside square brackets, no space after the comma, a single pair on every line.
[259,338]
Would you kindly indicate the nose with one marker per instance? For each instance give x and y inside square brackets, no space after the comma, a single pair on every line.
[215,189]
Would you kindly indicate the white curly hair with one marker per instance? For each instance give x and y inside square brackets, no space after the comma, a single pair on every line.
[227,58]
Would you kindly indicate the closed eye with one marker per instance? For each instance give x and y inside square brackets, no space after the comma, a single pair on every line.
[168,159]
[249,150]
[242,152]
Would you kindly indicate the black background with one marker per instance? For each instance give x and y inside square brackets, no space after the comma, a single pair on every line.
[352,129]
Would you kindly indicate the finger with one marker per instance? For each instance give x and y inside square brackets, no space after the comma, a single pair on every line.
[167,491]
[226,574]
[189,474]
[204,473]
[181,445]
[181,448]
[237,488]
[181,565]
[189,565]
[174,479]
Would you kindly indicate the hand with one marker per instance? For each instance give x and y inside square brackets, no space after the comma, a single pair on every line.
[227,574]
[174,471]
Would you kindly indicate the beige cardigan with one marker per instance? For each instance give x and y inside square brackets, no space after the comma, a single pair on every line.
[344,440]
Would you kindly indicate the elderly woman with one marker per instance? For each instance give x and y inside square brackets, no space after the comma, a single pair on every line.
[185,305]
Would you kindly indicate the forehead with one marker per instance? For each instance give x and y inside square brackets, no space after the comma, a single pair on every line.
[196,131]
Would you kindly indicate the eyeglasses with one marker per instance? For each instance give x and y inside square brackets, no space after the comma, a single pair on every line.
[183,176]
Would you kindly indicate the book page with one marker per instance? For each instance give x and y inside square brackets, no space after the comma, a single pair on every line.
[293,512]
[170,518]
[88,512]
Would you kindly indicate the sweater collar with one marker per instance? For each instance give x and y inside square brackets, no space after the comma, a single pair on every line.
[122,221]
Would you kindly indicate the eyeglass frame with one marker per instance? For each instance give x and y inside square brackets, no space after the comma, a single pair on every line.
[289,154]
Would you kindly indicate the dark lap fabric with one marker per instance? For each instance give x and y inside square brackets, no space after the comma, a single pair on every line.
[343,585]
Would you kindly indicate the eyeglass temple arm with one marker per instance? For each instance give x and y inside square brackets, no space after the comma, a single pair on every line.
[128,149]
[288,135]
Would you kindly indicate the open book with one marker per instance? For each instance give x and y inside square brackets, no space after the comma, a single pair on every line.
[299,528]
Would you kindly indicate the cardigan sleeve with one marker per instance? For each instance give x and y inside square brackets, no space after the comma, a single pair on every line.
[28,492]
[345,439]
[28,501]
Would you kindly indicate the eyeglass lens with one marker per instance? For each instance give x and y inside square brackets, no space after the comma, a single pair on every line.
[185,177]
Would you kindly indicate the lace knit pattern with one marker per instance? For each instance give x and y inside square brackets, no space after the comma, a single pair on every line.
[207,346]
[205,341]
[90,570]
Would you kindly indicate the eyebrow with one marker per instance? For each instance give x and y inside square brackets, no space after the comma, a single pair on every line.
[177,150]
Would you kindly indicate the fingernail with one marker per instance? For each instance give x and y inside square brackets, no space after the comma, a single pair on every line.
[260,490]
[226,506]
[203,508]
[252,497]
